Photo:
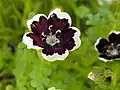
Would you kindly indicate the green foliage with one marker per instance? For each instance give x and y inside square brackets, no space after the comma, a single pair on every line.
[30,71]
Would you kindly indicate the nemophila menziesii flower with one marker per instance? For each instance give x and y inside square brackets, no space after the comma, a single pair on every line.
[109,49]
[53,34]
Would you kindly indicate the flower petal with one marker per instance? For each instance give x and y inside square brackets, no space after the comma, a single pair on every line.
[76,38]
[106,58]
[53,54]
[114,37]
[100,45]
[38,23]
[69,43]
[37,40]
[29,42]
[72,38]
[59,20]
[92,76]
[61,15]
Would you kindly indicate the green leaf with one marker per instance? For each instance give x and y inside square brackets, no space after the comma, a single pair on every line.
[82,11]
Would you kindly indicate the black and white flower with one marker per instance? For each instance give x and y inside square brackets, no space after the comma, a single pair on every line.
[53,34]
[109,49]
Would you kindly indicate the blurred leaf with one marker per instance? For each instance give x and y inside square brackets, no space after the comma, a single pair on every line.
[82,11]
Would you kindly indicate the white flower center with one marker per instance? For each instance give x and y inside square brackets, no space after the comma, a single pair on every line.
[52,40]
[112,50]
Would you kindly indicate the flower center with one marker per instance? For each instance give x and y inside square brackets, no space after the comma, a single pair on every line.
[113,50]
[52,40]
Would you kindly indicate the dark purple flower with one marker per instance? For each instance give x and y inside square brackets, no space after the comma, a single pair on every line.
[53,34]
[109,49]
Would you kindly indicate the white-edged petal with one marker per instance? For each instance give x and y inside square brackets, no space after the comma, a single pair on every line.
[76,38]
[105,60]
[56,56]
[57,10]
[92,76]
[35,18]
[29,42]
[97,42]
[116,32]
[61,15]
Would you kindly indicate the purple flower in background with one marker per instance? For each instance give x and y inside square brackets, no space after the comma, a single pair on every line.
[53,34]
[109,49]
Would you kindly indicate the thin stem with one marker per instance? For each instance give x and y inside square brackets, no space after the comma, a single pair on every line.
[77,22]
[117,16]
[53,3]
